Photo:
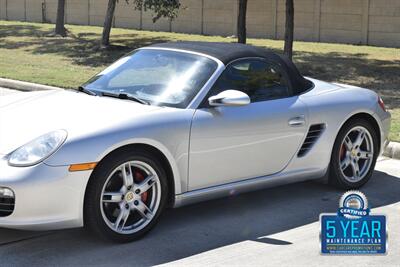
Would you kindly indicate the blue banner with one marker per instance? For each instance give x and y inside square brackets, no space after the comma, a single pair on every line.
[364,235]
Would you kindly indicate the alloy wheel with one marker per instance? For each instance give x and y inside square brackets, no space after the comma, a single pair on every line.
[356,154]
[130,197]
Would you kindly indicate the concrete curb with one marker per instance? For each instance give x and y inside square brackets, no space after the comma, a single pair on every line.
[392,150]
[25,86]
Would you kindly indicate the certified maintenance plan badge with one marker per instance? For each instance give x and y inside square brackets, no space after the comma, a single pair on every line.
[353,230]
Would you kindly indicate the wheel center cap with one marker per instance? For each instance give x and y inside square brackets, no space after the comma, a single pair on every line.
[353,152]
[129,196]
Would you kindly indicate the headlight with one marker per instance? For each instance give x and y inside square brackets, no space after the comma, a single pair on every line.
[37,150]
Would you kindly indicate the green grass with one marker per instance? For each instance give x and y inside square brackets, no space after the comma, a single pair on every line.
[395,128]
[29,52]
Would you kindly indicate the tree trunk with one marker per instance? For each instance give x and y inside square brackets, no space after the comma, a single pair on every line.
[105,40]
[241,25]
[289,29]
[60,29]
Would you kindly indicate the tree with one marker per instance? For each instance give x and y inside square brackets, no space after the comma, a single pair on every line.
[161,8]
[60,28]
[289,29]
[241,24]
[105,39]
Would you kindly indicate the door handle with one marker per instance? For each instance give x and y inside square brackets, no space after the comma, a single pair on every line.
[297,121]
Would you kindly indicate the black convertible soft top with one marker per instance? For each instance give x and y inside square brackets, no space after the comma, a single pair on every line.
[228,52]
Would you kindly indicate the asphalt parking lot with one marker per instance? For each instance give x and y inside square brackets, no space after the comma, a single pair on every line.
[276,226]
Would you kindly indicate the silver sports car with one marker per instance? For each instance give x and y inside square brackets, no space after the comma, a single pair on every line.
[173,124]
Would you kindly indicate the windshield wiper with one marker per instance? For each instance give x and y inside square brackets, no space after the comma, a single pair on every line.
[86,91]
[125,96]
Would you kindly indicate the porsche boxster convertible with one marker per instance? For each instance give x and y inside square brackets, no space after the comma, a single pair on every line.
[176,123]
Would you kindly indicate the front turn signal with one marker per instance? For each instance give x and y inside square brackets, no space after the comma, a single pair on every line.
[82,167]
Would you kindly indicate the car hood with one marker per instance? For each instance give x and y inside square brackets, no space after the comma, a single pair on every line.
[25,116]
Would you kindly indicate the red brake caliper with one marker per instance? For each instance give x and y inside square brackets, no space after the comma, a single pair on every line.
[139,178]
[342,152]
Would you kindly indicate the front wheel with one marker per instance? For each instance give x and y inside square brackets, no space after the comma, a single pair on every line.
[354,155]
[125,196]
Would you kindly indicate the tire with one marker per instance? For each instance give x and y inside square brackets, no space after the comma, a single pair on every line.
[340,175]
[115,211]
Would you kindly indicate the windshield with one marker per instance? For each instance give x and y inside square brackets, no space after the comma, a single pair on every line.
[159,77]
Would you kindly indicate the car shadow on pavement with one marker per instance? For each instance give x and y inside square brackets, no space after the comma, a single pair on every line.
[198,228]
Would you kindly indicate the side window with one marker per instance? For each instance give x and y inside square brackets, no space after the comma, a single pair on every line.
[259,79]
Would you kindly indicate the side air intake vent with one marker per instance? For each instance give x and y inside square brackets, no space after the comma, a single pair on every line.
[313,134]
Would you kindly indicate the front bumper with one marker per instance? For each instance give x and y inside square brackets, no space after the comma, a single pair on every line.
[46,197]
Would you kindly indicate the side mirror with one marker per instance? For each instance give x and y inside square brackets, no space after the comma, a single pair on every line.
[229,98]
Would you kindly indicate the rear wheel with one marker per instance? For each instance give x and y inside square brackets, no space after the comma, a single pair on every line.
[125,196]
[354,155]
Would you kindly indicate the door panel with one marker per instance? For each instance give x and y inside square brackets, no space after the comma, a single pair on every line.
[229,144]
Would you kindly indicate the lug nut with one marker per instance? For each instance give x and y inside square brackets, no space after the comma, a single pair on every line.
[127,206]
[137,191]
[129,187]
[136,202]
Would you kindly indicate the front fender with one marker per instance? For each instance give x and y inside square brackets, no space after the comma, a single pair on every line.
[167,132]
